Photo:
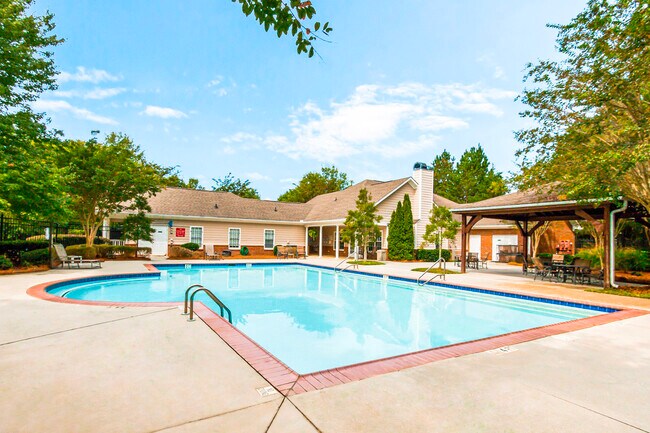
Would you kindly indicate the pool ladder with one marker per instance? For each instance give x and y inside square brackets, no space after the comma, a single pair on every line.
[352,265]
[443,265]
[199,288]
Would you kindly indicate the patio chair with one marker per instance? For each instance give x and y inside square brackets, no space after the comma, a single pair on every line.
[472,260]
[557,259]
[282,252]
[583,273]
[542,271]
[74,260]
[484,261]
[301,252]
[210,253]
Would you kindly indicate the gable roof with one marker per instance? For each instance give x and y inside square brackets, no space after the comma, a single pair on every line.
[217,204]
[335,205]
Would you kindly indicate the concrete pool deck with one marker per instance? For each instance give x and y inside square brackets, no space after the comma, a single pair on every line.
[66,367]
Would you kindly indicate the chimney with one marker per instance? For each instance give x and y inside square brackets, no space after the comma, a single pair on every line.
[423,175]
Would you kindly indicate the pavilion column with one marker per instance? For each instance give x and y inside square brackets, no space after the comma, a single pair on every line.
[336,244]
[307,241]
[320,242]
[526,235]
[606,247]
[463,245]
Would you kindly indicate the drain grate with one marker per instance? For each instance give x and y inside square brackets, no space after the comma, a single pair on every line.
[504,349]
[266,391]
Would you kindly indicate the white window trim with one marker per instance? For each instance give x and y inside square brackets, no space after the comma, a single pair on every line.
[202,234]
[238,246]
[264,239]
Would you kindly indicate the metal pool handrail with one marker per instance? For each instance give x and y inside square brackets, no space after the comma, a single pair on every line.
[212,296]
[336,268]
[442,263]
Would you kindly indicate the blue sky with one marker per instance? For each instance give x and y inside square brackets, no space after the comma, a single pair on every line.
[200,86]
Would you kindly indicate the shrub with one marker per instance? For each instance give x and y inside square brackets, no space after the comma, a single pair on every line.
[432,255]
[192,246]
[35,257]
[631,259]
[5,263]
[179,252]
[129,251]
[71,239]
[275,251]
[591,254]
[243,251]
[545,256]
[105,251]
[13,249]
[87,253]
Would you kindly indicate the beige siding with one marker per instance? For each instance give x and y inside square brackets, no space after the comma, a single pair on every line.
[252,234]
[386,207]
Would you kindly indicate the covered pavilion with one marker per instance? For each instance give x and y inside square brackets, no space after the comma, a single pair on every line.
[531,208]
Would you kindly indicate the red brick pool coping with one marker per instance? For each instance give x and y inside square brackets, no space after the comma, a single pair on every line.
[288,382]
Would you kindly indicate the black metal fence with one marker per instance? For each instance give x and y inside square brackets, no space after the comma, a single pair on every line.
[16,229]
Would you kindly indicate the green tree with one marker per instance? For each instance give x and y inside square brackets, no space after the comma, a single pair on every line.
[174,180]
[239,187]
[444,175]
[361,222]
[591,137]
[30,182]
[137,227]
[284,16]
[312,184]
[106,178]
[470,179]
[441,226]
[401,238]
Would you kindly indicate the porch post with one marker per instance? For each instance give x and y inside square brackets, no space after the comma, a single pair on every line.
[336,245]
[320,242]
[307,240]
[606,247]
[463,245]
[525,247]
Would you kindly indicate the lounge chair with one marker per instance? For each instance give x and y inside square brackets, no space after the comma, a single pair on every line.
[282,252]
[210,253]
[301,252]
[74,260]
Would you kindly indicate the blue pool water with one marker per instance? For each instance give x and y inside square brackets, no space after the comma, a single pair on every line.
[314,319]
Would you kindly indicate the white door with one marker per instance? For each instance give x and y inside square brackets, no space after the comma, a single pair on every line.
[159,244]
[502,240]
[475,244]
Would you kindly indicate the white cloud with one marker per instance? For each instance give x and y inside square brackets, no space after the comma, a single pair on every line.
[87,75]
[97,93]
[257,176]
[50,106]
[163,112]
[389,121]
[214,83]
[218,88]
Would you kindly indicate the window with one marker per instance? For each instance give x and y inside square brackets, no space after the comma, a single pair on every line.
[196,235]
[233,238]
[269,239]
[375,244]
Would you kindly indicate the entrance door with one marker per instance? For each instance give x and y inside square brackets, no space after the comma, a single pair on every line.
[502,240]
[160,239]
[475,244]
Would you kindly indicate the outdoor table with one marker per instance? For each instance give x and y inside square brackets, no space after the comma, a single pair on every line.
[566,270]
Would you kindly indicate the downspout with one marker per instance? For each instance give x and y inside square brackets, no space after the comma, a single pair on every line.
[612,244]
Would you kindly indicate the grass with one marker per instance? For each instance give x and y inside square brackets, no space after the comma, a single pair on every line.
[435,271]
[366,262]
[635,292]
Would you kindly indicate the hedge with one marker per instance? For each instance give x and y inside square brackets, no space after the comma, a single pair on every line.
[67,240]
[192,246]
[432,255]
[35,257]
[178,252]
[107,251]
[87,253]
[5,263]
[12,250]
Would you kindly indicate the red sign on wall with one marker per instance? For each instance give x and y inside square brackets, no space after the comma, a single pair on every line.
[180,232]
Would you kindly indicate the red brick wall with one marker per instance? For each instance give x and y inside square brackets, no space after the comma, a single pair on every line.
[559,233]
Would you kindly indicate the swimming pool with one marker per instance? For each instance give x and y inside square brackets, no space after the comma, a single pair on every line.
[314,319]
